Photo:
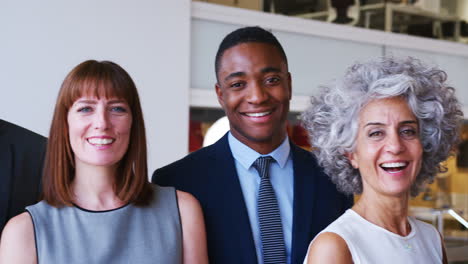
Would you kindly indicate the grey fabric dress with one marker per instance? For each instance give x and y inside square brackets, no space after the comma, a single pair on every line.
[129,234]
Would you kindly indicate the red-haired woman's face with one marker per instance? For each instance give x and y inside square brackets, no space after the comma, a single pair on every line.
[99,130]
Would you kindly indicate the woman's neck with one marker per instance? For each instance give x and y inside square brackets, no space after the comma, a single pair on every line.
[389,212]
[93,187]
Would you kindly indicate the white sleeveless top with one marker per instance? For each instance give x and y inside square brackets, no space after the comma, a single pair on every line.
[369,243]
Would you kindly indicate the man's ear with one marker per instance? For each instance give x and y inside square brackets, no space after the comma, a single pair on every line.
[290,85]
[352,159]
[219,94]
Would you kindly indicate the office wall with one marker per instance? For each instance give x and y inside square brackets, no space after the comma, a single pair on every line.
[41,41]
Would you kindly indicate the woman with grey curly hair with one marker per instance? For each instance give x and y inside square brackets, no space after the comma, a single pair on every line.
[382,131]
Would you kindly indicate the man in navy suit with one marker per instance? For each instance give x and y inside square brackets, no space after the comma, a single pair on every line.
[21,157]
[254,88]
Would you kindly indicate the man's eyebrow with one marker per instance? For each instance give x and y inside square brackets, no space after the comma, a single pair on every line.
[270,69]
[240,74]
[234,74]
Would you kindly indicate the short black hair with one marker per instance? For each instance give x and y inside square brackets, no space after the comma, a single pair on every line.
[245,35]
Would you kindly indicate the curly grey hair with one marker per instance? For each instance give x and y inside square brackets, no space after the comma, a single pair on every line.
[332,118]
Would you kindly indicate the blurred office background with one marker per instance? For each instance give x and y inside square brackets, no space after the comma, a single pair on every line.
[168,47]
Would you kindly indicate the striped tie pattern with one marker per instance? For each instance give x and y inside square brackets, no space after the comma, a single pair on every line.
[271,231]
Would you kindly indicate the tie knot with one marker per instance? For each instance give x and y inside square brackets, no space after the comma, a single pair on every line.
[262,165]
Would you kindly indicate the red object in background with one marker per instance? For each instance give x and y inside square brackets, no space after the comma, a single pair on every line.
[195,136]
[299,136]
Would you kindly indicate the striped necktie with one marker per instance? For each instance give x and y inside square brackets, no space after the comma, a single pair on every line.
[271,230]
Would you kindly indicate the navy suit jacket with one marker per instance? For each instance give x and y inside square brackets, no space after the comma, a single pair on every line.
[210,175]
[21,158]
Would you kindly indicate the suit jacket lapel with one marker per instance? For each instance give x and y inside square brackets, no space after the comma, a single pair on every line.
[236,221]
[303,203]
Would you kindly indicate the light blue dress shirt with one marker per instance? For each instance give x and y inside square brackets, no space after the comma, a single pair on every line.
[282,179]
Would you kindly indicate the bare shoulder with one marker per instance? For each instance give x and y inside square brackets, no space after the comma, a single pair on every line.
[187,202]
[185,197]
[189,208]
[193,229]
[329,247]
[18,239]
[19,227]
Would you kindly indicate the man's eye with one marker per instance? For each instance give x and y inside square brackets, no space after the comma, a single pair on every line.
[237,85]
[272,80]
[85,109]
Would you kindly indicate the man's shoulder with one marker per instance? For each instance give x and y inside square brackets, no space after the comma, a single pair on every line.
[307,165]
[304,158]
[15,134]
[298,151]
[196,158]
[197,163]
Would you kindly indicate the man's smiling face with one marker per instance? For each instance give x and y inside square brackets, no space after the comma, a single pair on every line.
[254,89]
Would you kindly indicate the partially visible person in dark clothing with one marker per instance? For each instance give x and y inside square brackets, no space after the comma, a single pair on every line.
[21,158]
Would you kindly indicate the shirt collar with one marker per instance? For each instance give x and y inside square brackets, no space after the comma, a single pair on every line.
[247,156]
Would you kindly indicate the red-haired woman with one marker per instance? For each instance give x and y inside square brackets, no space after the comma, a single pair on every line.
[98,205]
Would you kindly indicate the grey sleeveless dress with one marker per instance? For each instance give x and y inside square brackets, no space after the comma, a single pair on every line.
[129,234]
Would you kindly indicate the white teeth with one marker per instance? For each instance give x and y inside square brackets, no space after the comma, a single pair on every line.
[394,164]
[257,114]
[100,141]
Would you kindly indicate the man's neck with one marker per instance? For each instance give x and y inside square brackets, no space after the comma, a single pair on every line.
[262,147]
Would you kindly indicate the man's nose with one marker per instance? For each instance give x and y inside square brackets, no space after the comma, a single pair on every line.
[257,93]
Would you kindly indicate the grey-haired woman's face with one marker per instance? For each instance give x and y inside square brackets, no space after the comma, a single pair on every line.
[388,150]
